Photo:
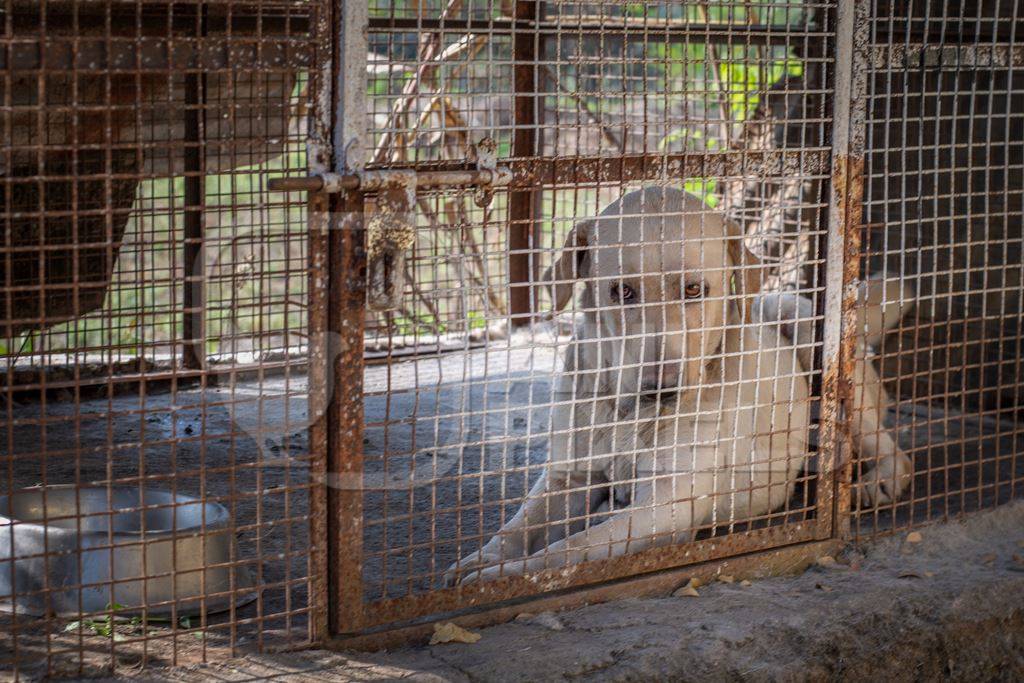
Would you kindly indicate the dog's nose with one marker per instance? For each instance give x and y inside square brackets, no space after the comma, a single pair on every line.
[659,380]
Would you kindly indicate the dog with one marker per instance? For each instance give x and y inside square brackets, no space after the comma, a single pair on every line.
[685,399]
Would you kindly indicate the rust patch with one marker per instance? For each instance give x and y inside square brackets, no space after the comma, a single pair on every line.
[780,562]
[439,601]
[345,420]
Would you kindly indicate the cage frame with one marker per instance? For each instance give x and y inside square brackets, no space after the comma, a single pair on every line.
[358,623]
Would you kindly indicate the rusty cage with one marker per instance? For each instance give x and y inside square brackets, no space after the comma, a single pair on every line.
[323,321]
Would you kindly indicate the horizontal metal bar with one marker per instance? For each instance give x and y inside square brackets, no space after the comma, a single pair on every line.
[533,172]
[958,31]
[394,611]
[612,27]
[154,54]
[915,55]
[785,561]
[650,167]
[374,180]
[128,375]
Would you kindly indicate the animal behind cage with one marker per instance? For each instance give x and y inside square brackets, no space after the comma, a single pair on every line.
[468,399]
[581,291]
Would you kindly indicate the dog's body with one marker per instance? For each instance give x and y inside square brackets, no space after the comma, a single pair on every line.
[684,401]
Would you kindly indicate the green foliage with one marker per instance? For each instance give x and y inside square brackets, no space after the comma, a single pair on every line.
[117,627]
[424,324]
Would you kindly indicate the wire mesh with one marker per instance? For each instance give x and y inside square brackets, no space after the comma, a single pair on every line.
[465,400]
[611,367]
[943,212]
[154,330]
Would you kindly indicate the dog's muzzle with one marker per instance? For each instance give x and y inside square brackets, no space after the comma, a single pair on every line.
[660,384]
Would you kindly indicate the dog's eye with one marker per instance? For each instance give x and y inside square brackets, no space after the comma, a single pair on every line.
[624,293]
[694,290]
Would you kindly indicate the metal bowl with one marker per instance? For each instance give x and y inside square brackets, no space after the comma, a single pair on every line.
[67,550]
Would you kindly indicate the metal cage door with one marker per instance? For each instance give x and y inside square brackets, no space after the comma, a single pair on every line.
[368,199]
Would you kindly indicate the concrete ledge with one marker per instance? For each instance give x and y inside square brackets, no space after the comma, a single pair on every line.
[948,607]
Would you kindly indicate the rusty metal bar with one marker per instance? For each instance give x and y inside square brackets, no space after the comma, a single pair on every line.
[522,203]
[318,159]
[842,248]
[397,610]
[918,55]
[567,171]
[369,181]
[784,561]
[527,173]
[346,322]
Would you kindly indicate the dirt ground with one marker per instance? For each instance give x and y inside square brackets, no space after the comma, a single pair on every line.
[458,431]
[950,606]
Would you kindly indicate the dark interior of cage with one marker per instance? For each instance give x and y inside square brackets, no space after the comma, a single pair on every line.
[943,204]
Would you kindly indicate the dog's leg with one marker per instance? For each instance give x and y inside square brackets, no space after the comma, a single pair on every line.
[659,515]
[891,471]
[556,506]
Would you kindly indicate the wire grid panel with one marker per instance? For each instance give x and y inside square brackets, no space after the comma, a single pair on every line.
[943,214]
[154,317]
[702,133]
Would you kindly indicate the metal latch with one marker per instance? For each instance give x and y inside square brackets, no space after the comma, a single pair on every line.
[391,229]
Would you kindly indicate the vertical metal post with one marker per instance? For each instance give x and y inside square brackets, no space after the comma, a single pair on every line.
[522,203]
[843,258]
[318,158]
[194,252]
[346,321]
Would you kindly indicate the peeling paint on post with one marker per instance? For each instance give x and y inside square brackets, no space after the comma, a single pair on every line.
[843,258]
[346,320]
[318,153]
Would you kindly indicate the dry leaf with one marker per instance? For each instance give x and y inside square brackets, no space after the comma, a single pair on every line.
[452,633]
[745,583]
[988,558]
[826,561]
[689,590]
[694,582]
[929,574]
[914,537]
[726,578]
[823,587]
[1019,559]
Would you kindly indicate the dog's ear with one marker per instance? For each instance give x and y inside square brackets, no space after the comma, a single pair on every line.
[747,278]
[573,263]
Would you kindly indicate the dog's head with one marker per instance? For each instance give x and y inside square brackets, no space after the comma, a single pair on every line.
[662,273]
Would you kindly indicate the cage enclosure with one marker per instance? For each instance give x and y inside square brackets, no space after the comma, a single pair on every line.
[454,304]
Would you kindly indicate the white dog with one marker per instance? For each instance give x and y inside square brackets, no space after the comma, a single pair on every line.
[685,400]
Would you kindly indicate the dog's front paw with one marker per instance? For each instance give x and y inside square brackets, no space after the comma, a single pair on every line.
[469,567]
[884,483]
